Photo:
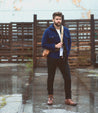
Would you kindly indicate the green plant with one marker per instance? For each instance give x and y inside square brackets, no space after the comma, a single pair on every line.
[3,103]
[29,66]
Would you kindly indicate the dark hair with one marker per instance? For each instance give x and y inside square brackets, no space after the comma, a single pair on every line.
[56,14]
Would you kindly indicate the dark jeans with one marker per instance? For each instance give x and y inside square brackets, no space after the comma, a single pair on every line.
[65,70]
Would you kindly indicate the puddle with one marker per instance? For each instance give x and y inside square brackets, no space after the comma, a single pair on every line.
[88,70]
[58,111]
[10,65]
[92,75]
[89,78]
[14,82]
[86,97]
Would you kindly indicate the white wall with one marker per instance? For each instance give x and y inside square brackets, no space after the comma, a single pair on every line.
[23,10]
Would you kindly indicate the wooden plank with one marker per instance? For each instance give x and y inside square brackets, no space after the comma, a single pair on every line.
[19,43]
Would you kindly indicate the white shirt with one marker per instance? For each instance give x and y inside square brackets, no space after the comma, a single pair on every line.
[61,49]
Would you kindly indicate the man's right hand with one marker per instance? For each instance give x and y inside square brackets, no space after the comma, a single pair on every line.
[59,45]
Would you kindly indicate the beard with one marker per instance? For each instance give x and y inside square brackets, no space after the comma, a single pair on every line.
[57,24]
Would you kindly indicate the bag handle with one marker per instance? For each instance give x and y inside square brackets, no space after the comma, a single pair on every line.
[62,31]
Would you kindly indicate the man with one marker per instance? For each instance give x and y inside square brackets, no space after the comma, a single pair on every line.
[58,56]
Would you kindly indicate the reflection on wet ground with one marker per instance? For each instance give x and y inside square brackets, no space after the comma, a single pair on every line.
[84,92]
[13,88]
[89,78]
[17,93]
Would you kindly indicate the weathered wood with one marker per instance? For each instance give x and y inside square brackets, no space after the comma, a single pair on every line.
[34,41]
[80,33]
[16,41]
[92,40]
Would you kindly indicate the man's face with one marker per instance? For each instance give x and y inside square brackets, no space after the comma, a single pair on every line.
[57,21]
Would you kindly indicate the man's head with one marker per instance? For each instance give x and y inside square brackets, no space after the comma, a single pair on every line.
[57,18]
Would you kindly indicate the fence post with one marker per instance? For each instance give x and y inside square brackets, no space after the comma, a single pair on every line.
[10,42]
[77,32]
[34,40]
[92,40]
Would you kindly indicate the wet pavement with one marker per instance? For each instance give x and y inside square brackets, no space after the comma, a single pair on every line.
[20,94]
[84,92]
[14,82]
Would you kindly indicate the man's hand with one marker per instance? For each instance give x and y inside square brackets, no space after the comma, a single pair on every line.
[59,45]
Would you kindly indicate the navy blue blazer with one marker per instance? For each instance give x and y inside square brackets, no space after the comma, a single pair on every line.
[51,37]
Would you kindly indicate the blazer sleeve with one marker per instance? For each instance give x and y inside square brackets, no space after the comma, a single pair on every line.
[69,41]
[45,43]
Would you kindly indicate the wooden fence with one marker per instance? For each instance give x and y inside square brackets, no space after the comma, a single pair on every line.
[84,42]
[96,43]
[16,42]
[20,42]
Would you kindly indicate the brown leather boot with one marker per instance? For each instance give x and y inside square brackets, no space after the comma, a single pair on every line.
[50,100]
[70,102]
